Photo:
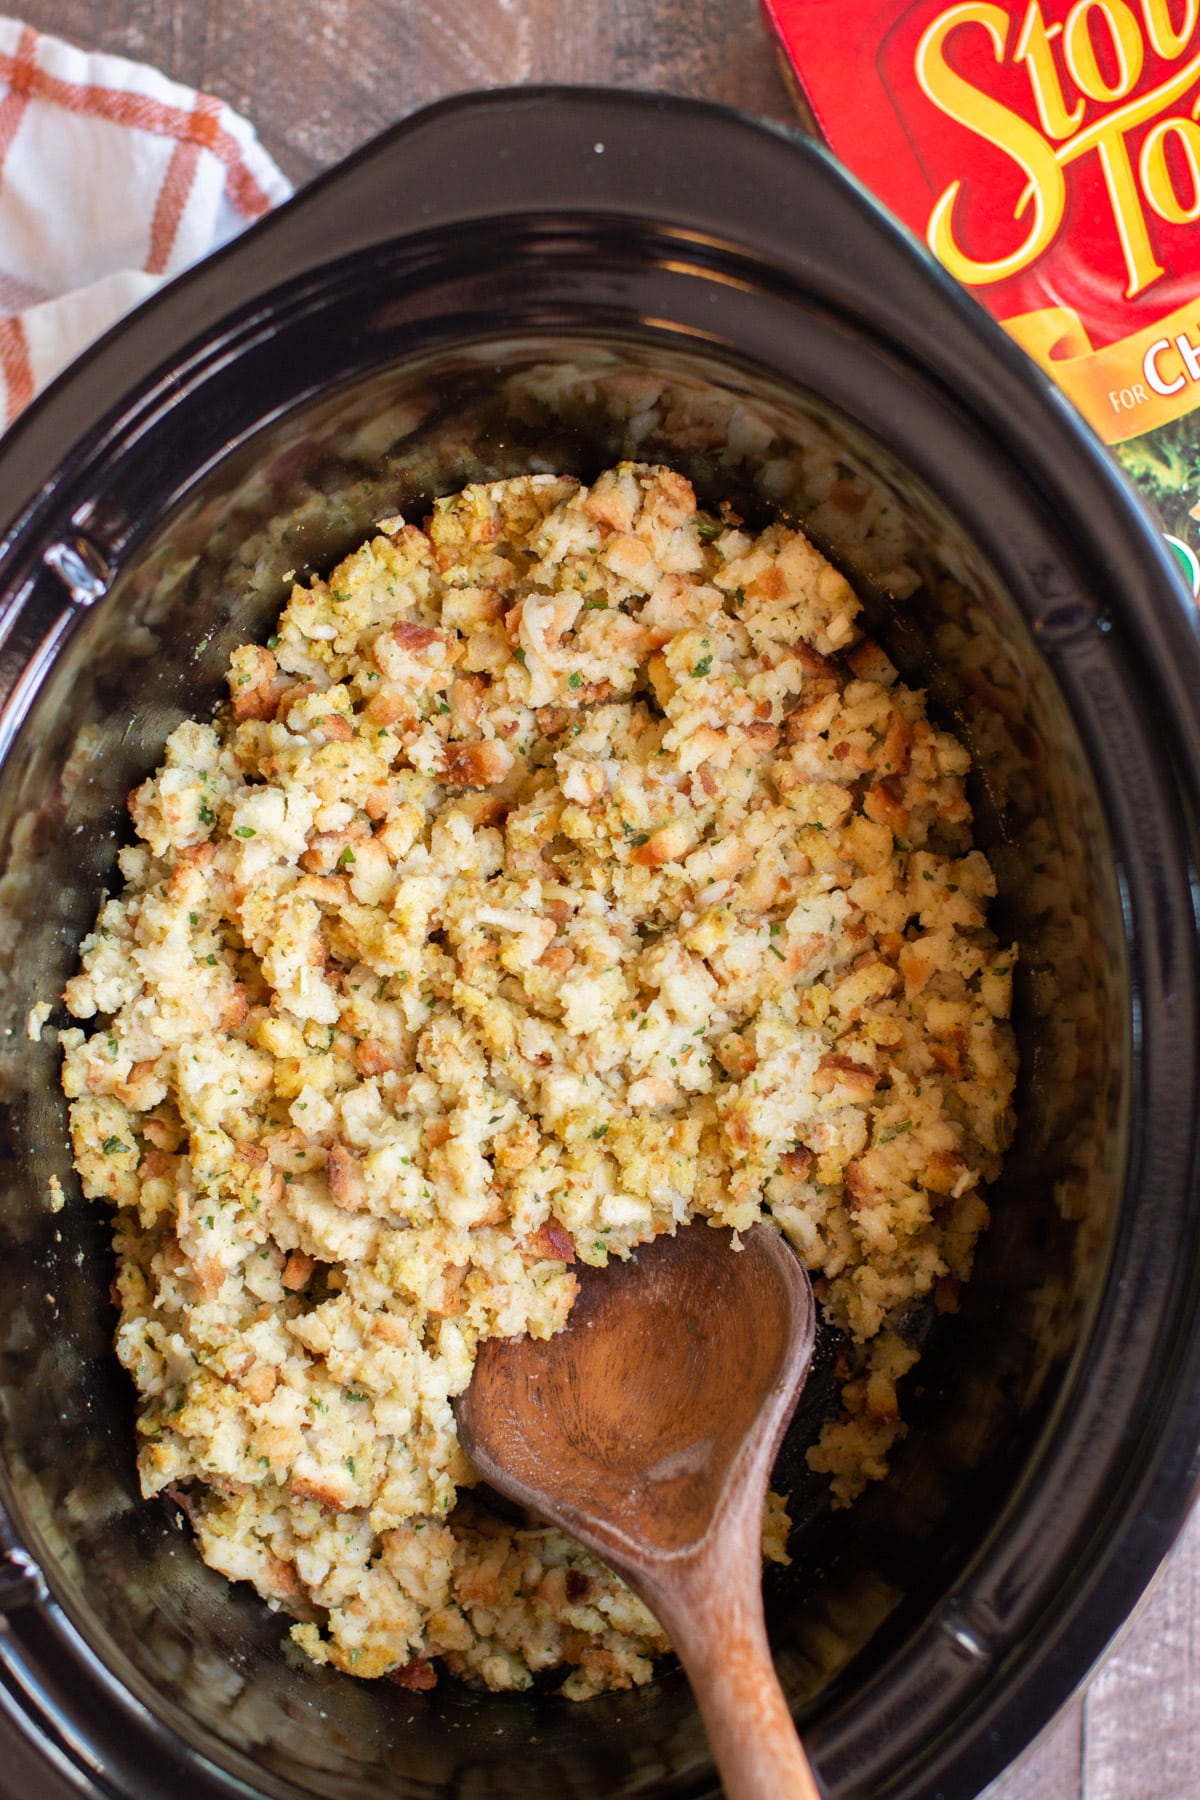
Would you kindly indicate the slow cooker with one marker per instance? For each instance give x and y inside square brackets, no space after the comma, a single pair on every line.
[548,278]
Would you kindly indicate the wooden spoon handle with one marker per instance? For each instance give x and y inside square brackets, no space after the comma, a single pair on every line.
[721,1640]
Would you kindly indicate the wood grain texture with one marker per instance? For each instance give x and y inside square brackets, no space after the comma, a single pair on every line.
[319,80]
[662,1403]
[1052,1767]
[648,1430]
[1142,1714]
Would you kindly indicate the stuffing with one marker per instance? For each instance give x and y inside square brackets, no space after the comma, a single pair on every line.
[565,871]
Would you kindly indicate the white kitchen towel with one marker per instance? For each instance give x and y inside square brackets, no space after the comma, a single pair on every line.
[112,179]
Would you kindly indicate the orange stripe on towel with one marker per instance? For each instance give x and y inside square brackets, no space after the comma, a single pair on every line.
[175,191]
[13,105]
[15,367]
[20,72]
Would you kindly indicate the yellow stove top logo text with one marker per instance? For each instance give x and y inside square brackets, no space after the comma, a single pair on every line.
[1096,55]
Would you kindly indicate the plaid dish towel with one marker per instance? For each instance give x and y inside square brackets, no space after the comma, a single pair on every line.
[112,179]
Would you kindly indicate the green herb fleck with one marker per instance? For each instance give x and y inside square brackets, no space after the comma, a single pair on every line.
[521,657]
[703,666]
[244,831]
[575,679]
[776,951]
[600,1131]
[113,1144]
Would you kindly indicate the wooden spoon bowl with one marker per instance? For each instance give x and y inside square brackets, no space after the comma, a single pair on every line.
[647,1430]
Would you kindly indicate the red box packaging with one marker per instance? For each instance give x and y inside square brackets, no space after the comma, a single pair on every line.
[1048,153]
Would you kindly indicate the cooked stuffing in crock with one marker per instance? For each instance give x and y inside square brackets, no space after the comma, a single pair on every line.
[564,870]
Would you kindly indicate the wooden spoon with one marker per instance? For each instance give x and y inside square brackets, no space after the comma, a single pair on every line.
[647,1429]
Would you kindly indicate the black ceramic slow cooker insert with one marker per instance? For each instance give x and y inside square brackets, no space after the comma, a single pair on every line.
[488,288]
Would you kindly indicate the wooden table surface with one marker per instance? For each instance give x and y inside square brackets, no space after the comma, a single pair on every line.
[317,80]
